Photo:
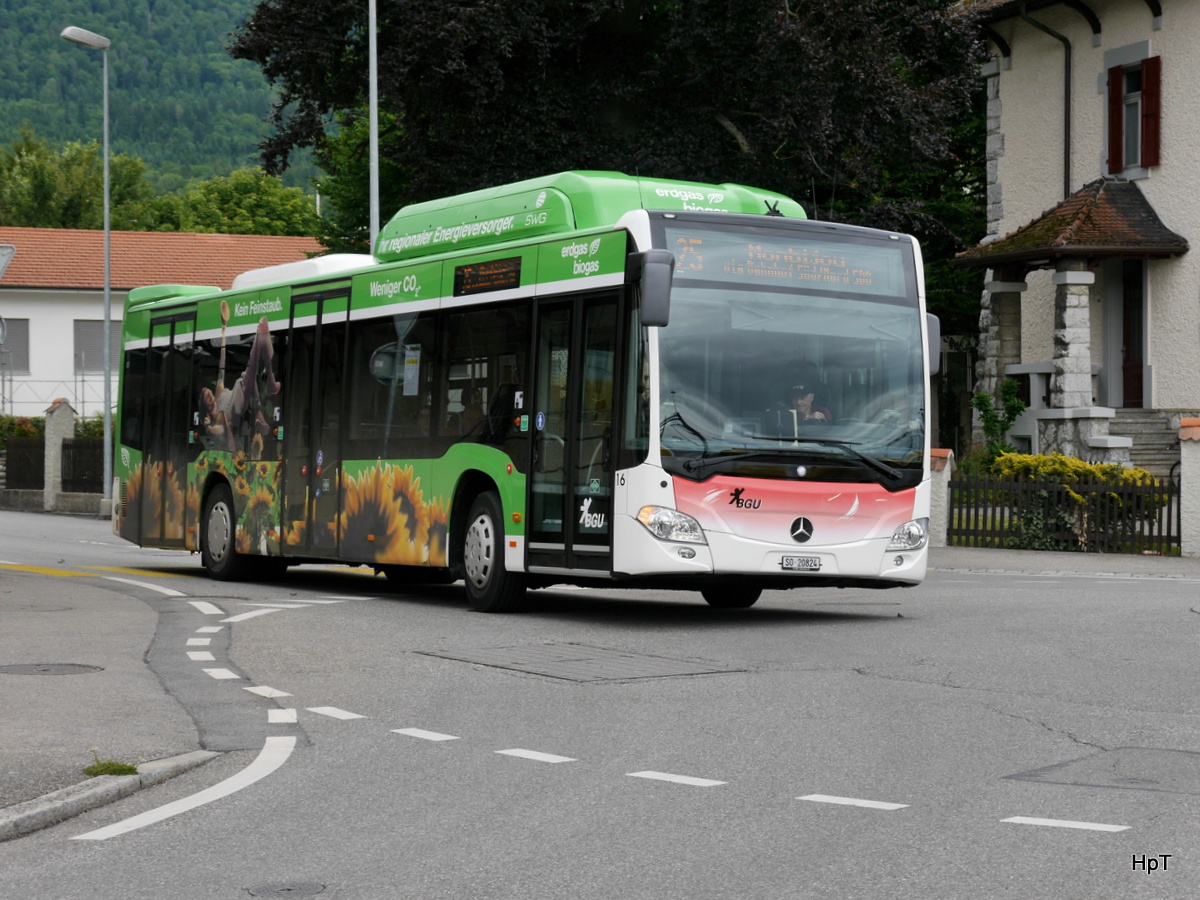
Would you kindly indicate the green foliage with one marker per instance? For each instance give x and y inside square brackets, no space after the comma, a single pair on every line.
[109,767]
[20,426]
[177,99]
[90,428]
[863,111]
[245,202]
[997,421]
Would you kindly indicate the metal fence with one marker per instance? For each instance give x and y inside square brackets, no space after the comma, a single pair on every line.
[83,465]
[25,464]
[1103,518]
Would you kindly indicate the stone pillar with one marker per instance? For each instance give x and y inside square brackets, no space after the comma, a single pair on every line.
[1001,344]
[941,466]
[1189,486]
[60,425]
[1071,383]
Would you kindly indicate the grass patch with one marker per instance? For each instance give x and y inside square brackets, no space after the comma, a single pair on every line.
[109,767]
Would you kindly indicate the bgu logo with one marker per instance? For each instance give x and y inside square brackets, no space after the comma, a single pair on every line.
[589,519]
[736,499]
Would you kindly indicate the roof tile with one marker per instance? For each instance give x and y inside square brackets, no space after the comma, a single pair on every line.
[74,258]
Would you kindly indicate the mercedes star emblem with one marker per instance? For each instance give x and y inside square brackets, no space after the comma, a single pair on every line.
[802,530]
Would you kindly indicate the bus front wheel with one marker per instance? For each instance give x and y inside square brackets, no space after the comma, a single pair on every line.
[731,596]
[490,586]
[218,552]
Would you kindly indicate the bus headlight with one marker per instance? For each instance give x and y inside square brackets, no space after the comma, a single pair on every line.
[909,536]
[670,524]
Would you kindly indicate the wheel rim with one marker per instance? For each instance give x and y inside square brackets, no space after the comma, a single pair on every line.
[479,550]
[219,531]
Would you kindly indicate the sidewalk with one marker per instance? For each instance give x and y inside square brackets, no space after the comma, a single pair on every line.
[1041,562]
[74,688]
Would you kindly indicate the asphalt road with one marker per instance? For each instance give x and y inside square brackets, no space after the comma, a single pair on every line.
[1021,725]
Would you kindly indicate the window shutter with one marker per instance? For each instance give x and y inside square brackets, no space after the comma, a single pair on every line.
[1151,110]
[1116,114]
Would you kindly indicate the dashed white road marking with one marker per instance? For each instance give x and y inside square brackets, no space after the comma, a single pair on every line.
[222,674]
[210,629]
[250,615]
[199,642]
[150,587]
[1065,823]
[207,608]
[263,691]
[274,754]
[281,716]
[334,713]
[852,801]
[536,756]
[275,605]
[201,656]
[678,779]
[425,735]
[317,602]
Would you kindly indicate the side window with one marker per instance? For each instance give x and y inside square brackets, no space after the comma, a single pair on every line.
[484,383]
[393,405]
[1134,115]
[133,395]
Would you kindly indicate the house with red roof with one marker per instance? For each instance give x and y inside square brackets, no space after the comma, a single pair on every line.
[1090,294]
[52,300]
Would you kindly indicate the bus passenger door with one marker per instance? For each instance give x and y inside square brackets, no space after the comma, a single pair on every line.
[312,422]
[570,500]
[169,409]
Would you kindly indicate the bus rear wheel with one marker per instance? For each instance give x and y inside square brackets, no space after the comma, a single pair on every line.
[218,550]
[731,596]
[490,586]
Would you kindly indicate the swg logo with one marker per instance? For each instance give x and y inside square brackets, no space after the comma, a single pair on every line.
[801,530]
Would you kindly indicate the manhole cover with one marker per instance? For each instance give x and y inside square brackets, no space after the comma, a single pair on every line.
[1125,768]
[578,662]
[304,889]
[49,669]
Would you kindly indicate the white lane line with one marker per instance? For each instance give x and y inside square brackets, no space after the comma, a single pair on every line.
[853,801]
[201,656]
[222,674]
[281,716]
[536,756]
[210,629]
[317,602]
[150,587]
[276,605]
[199,642]
[334,713]
[250,615]
[274,754]
[338,598]
[1065,823]
[263,691]
[425,735]
[678,779]
[207,608]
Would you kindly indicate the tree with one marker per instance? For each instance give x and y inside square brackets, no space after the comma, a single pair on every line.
[244,202]
[45,188]
[825,101]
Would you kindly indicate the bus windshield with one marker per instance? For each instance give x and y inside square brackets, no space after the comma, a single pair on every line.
[791,345]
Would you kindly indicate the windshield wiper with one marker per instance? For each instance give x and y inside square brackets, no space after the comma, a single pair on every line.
[869,461]
[678,419]
[695,463]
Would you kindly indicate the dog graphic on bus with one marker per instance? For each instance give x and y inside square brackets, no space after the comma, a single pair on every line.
[231,418]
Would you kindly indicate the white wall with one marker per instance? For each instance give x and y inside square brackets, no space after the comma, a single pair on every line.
[52,315]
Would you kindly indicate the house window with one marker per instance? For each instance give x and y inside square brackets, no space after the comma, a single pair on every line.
[1134,109]
[89,346]
[14,352]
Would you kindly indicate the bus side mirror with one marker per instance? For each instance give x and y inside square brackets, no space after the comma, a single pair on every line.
[933,325]
[652,270]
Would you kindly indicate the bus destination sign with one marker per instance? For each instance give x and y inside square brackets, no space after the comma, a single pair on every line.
[493,275]
[810,265]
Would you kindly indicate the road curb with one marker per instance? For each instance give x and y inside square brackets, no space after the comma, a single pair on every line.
[58,806]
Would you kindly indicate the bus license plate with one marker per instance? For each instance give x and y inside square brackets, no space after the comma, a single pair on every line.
[802,563]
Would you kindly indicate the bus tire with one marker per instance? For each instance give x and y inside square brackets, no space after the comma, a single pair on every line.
[490,586]
[218,549]
[731,596]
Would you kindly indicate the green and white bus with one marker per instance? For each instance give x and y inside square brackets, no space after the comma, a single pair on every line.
[585,378]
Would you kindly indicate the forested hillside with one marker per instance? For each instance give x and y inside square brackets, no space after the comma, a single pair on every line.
[177,99]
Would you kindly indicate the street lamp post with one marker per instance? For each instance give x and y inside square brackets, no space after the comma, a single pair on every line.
[98,42]
[373,121]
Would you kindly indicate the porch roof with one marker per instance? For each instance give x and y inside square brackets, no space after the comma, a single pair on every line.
[1108,218]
